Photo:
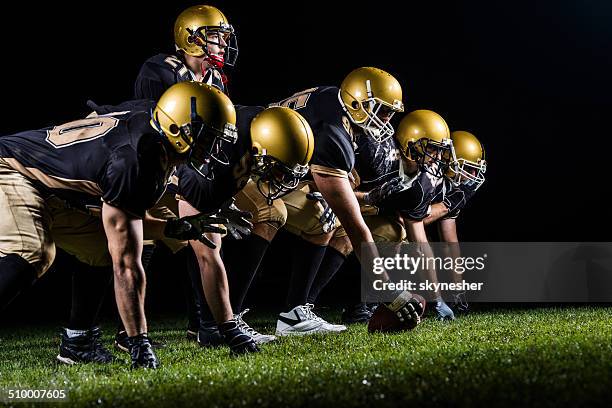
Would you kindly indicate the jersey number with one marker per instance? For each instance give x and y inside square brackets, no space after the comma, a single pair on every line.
[80,131]
[298,100]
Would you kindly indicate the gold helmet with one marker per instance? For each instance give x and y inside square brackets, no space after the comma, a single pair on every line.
[424,137]
[470,164]
[370,97]
[282,148]
[196,118]
[195,25]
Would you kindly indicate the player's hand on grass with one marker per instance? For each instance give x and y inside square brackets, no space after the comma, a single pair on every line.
[237,224]
[328,218]
[406,307]
[444,312]
[142,353]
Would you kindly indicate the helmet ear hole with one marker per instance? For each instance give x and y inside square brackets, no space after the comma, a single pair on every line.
[256,148]
[174,129]
[355,105]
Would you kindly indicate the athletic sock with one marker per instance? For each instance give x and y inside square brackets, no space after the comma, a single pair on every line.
[16,275]
[147,256]
[193,268]
[306,260]
[242,259]
[331,263]
[89,286]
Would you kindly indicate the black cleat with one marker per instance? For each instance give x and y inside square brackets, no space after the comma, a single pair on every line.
[142,352]
[238,341]
[192,334]
[209,335]
[460,304]
[121,342]
[84,348]
[359,313]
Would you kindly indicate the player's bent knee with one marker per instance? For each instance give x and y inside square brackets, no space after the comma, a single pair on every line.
[341,244]
[41,258]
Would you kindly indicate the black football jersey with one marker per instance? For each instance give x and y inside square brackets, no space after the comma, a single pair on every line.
[376,163]
[162,71]
[118,158]
[206,195]
[413,203]
[455,198]
[334,151]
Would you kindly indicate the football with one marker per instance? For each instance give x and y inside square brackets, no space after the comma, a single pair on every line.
[385,321]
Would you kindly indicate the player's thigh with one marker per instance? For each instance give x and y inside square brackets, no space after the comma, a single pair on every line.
[303,214]
[251,200]
[385,228]
[80,234]
[24,221]
[165,209]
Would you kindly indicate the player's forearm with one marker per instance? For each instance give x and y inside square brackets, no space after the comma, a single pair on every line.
[448,230]
[438,210]
[124,234]
[416,234]
[341,198]
[212,270]
[214,278]
[130,287]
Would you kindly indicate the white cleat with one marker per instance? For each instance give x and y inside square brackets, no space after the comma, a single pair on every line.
[301,320]
[246,329]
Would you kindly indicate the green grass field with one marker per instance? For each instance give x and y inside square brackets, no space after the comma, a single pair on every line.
[503,358]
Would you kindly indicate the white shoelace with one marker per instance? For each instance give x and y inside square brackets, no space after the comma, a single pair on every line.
[307,309]
[244,326]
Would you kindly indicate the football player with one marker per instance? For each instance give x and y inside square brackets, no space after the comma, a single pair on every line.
[464,179]
[205,42]
[397,181]
[124,160]
[365,102]
[271,156]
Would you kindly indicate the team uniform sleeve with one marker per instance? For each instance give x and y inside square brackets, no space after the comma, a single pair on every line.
[197,190]
[333,152]
[412,203]
[457,199]
[152,81]
[119,183]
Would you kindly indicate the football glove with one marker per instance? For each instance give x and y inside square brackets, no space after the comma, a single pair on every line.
[382,192]
[237,224]
[328,218]
[444,312]
[406,307]
[194,227]
[142,352]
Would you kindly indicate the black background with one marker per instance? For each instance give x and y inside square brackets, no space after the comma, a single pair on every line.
[532,81]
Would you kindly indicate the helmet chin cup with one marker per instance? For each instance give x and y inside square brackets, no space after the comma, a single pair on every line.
[274,178]
[215,61]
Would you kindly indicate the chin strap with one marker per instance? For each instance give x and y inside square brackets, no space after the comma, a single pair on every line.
[208,73]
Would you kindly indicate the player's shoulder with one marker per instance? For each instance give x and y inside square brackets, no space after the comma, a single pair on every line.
[248,110]
[325,97]
[164,64]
